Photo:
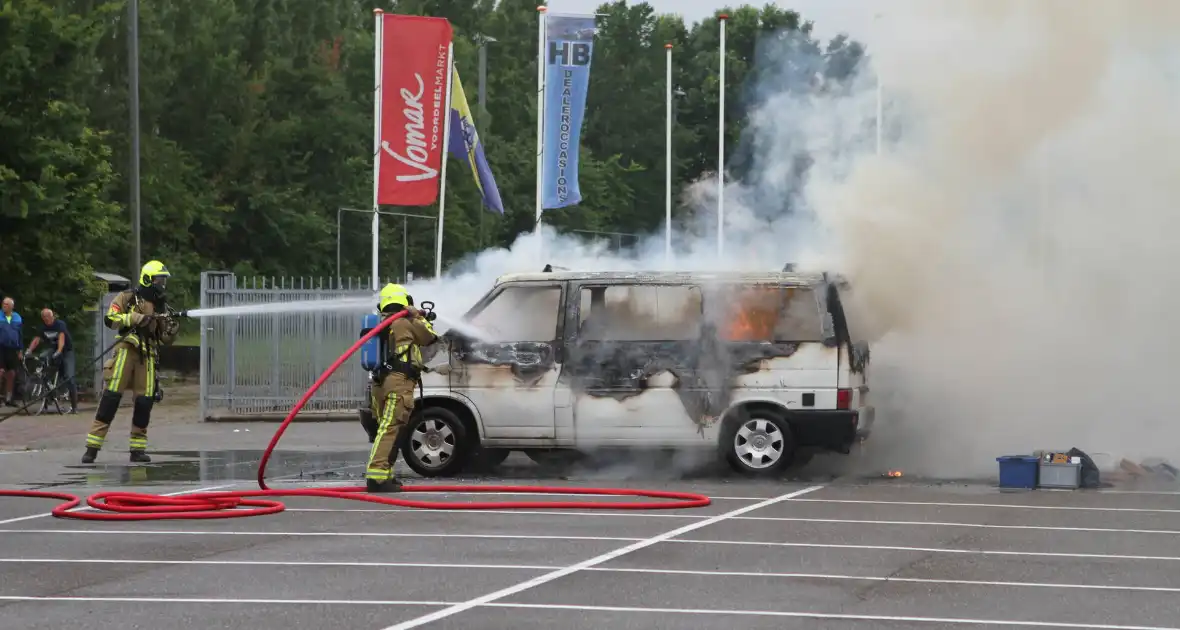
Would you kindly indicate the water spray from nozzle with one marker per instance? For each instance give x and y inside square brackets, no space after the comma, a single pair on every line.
[272,308]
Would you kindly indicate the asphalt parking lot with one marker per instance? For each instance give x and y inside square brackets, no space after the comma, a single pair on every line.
[828,554]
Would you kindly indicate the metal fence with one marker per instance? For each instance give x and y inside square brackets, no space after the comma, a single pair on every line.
[261,364]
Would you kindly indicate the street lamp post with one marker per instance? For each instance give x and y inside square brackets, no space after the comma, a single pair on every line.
[133,88]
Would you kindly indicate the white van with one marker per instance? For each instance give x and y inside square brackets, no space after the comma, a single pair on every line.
[755,366]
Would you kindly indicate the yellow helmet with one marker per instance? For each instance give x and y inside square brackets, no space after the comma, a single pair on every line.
[150,271]
[393,294]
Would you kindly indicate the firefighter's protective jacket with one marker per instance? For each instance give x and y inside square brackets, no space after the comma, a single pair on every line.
[138,327]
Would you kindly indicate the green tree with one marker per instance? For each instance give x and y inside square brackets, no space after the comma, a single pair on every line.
[55,168]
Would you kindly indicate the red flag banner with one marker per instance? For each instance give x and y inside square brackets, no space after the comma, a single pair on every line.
[413,104]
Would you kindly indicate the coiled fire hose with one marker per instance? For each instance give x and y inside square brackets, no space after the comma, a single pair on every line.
[134,506]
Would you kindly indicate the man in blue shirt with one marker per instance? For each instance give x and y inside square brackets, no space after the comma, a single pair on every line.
[57,336]
[10,348]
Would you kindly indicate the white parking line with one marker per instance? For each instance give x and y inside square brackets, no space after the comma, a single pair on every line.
[90,509]
[617,609]
[533,567]
[213,600]
[632,513]
[170,532]
[954,524]
[174,532]
[1008,506]
[851,521]
[585,564]
[834,616]
[977,552]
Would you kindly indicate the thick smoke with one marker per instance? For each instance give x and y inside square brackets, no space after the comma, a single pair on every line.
[1010,249]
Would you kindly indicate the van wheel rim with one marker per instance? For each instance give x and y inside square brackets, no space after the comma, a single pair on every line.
[759,443]
[433,443]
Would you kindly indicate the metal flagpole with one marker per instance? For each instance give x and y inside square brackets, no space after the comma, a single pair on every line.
[442,173]
[879,112]
[378,49]
[721,149]
[880,103]
[540,120]
[668,164]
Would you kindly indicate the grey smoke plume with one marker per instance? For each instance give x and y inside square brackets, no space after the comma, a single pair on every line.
[1011,250]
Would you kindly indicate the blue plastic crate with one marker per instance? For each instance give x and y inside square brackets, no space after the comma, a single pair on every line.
[1018,471]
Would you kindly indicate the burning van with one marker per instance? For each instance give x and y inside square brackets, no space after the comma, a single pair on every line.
[758,367]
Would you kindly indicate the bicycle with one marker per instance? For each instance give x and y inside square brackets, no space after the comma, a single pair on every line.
[42,388]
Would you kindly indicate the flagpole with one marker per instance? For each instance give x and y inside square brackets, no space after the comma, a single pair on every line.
[378,48]
[442,173]
[540,121]
[880,109]
[668,163]
[721,149]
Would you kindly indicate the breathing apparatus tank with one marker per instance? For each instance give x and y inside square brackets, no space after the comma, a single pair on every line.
[372,352]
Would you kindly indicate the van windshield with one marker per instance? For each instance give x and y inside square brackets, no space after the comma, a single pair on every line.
[520,313]
[770,313]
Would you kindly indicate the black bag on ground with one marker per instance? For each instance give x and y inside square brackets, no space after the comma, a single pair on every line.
[1090,476]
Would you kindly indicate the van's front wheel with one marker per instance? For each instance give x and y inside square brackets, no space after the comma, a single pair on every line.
[758,442]
[436,442]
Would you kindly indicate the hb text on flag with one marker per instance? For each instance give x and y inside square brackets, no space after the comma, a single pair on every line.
[569,43]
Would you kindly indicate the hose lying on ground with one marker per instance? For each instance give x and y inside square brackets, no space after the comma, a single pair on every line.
[133,506]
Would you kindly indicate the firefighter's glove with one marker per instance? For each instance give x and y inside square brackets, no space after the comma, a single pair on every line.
[145,321]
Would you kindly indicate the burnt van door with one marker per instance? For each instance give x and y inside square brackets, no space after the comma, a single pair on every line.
[508,368]
[632,356]
[778,344]
[846,312]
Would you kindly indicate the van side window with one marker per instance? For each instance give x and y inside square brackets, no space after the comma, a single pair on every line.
[521,314]
[640,313]
[762,313]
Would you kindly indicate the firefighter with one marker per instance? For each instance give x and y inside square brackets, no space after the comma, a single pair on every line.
[394,382]
[141,318]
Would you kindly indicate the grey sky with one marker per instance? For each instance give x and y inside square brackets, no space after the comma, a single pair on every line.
[830,16]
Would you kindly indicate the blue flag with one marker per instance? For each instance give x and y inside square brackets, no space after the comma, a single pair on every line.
[569,42]
[465,145]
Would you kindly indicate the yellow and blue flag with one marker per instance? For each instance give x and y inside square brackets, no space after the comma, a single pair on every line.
[466,146]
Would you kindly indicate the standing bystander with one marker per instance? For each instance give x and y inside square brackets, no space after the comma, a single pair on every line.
[10,348]
[57,335]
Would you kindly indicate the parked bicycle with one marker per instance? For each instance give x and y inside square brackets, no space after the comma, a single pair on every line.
[42,387]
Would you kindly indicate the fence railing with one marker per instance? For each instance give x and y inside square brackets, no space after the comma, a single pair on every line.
[262,363]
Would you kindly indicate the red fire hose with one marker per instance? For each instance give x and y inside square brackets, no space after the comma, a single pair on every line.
[133,506]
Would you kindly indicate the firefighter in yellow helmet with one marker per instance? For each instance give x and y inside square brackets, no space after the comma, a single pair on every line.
[141,318]
[394,382]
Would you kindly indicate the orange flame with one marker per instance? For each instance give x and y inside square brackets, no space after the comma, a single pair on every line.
[755,313]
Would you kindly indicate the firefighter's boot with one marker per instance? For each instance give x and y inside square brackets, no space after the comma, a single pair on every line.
[141,415]
[388,485]
[108,404]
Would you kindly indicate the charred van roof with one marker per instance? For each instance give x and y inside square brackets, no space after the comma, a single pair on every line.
[662,277]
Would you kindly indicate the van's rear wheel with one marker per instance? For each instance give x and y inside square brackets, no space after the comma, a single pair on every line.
[436,442]
[758,442]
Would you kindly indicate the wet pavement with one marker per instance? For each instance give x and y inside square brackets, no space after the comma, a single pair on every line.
[813,551]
